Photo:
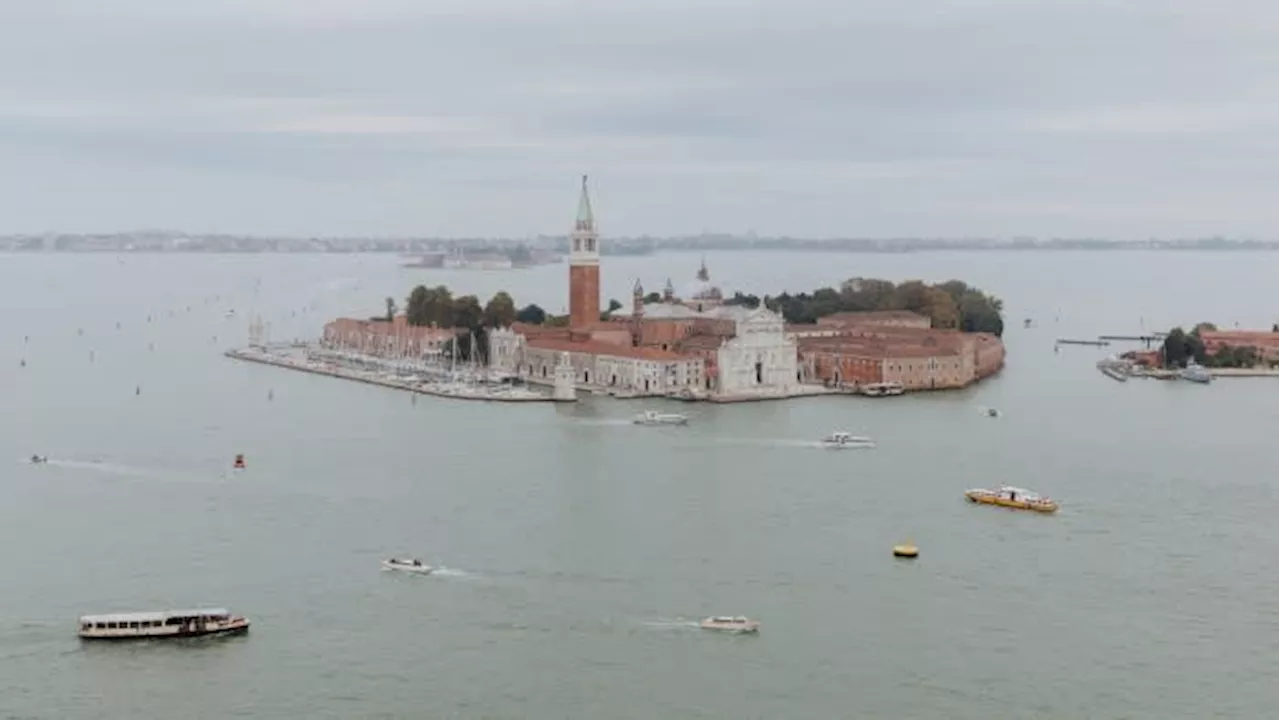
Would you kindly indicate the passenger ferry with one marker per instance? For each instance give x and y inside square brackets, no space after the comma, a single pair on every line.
[882,389]
[165,624]
[737,624]
[1012,497]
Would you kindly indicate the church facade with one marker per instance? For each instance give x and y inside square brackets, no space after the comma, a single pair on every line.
[695,347]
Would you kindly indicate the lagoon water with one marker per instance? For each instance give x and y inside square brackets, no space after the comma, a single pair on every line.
[580,549]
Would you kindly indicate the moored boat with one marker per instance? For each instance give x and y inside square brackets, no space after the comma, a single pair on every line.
[882,389]
[653,417]
[409,565]
[1195,373]
[731,624]
[1012,497]
[238,463]
[843,440]
[163,624]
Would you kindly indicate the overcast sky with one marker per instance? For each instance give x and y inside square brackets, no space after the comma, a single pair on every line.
[816,118]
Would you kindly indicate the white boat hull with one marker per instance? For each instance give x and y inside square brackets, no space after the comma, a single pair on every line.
[405,567]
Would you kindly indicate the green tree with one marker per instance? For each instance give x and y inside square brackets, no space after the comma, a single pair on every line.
[531,315]
[750,301]
[500,311]
[415,308]
[980,312]
[911,295]
[557,321]
[653,297]
[941,309]
[864,294]
[391,309]
[427,306]
[1275,327]
[1206,326]
[467,313]
[613,305]
[1175,348]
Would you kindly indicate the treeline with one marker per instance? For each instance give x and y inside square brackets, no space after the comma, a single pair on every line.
[949,305]
[1181,347]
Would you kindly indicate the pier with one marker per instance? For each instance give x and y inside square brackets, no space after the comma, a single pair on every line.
[1146,340]
[1073,341]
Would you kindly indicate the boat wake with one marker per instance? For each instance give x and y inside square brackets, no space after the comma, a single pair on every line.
[448,572]
[675,625]
[95,466]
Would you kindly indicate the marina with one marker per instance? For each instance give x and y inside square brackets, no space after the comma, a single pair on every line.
[459,388]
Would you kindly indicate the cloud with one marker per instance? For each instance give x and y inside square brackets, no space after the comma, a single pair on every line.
[809,117]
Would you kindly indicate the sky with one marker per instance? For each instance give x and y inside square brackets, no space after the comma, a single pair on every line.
[807,118]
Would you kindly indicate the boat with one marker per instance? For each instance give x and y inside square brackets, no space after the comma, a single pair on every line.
[410,565]
[724,623]
[883,389]
[907,551]
[229,313]
[1195,373]
[841,440]
[991,412]
[653,417]
[163,624]
[39,459]
[238,464]
[1012,497]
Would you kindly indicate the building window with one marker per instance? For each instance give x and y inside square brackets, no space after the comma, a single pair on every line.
[591,244]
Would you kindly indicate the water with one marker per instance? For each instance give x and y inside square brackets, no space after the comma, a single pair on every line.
[581,550]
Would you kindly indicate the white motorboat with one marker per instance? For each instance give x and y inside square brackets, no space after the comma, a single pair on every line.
[653,417]
[1195,373]
[841,440]
[734,624]
[165,624]
[882,389]
[39,459]
[409,565]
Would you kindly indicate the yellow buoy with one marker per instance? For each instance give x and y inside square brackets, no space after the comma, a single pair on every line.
[905,551]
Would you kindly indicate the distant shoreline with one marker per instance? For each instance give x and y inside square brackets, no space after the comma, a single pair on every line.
[624,247]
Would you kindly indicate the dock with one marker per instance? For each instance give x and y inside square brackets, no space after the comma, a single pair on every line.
[455,392]
[1073,341]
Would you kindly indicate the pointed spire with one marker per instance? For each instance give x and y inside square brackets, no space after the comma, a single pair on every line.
[638,289]
[586,220]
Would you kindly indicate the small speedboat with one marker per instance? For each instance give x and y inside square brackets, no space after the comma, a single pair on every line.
[409,565]
[1196,374]
[725,623]
[653,417]
[39,459]
[843,440]
[1012,497]
[238,463]
[991,412]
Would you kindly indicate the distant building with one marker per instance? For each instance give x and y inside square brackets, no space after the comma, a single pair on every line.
[694,346]
[1266,344]
[385,339]
[919,358]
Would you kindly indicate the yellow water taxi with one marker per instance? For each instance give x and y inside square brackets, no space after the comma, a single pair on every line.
[906,550]
[1012,497]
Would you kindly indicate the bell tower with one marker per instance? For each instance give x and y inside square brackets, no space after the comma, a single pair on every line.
[584,265]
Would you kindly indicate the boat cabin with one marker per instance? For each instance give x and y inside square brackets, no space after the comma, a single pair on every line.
[159,624]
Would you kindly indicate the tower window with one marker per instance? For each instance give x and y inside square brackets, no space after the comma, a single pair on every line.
[591,244]
[577,244]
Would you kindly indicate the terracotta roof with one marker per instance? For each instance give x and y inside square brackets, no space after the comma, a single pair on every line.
[1258,338]
[879,348]
[595,347]
[853,317]
[398,327]
[701,342]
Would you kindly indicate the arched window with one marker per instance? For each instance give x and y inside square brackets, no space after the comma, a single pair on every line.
[591,244]
[577,244]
